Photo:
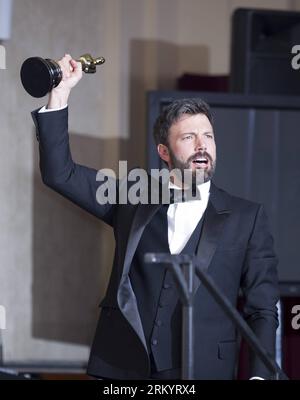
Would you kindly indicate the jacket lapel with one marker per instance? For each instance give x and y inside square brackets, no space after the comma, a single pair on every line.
[126,297]
[216,214]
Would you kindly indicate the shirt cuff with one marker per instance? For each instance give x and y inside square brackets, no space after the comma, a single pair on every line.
[44,109]
[256,378]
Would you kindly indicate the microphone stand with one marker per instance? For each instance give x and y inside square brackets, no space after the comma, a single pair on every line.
[183,268]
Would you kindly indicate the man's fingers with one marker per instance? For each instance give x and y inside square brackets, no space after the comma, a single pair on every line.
[66,59]
[74,64]
[66,66]
[77,67]
[71,71]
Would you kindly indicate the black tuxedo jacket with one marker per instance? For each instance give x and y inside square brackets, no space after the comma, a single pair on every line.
[235,247]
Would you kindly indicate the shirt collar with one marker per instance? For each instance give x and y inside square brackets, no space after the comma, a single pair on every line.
[204,188]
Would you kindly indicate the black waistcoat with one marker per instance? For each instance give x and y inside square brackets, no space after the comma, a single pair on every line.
[157,298]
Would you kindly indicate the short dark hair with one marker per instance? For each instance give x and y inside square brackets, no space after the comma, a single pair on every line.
[173,111]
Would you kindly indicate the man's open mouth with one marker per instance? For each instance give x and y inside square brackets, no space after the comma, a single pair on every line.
[200,161]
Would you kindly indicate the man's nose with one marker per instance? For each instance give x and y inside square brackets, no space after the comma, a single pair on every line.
[200,144]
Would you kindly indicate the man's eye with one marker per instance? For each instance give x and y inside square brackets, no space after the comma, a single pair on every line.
[209,135]
[187,137]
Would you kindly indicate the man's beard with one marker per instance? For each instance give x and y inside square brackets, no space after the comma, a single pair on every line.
[198,175]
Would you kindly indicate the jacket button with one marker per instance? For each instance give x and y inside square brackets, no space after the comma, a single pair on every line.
[166,286]
[154,342]
[158,322]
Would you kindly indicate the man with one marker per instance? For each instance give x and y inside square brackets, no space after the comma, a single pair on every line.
[139,332]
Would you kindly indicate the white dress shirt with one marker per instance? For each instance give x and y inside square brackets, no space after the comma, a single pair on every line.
[44,109]
[184,217]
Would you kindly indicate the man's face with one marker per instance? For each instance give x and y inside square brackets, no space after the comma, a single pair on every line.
[191,146]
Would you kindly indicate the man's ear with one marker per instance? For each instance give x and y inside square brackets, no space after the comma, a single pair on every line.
[163,152]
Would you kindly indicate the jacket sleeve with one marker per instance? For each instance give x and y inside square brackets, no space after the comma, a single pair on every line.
[75,182]
[261,290]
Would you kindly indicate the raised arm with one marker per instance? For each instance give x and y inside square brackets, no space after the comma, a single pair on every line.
[76,182]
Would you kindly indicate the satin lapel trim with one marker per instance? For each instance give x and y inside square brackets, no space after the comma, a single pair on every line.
[211,233]
[142,217]
[126,297]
